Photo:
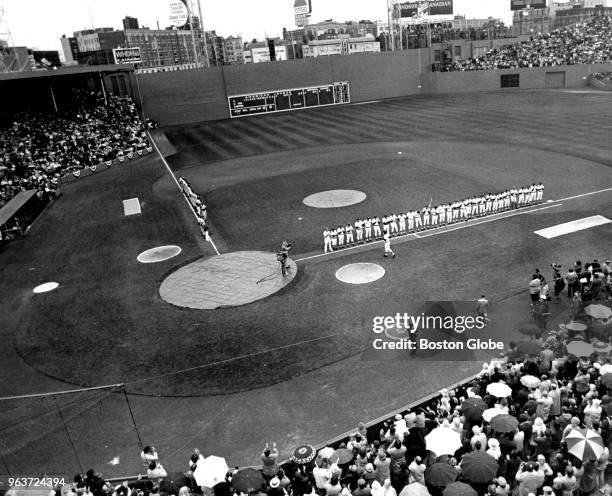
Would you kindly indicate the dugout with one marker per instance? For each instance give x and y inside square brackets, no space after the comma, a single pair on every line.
[54,90]
[19,213]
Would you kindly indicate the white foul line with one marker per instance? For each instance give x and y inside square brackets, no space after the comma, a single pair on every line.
[440,230]
[178,186]
[585,194]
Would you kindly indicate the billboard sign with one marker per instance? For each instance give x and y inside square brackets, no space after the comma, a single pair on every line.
[127,55]
[302,7]
[527,4]
[436,8]
[179,15]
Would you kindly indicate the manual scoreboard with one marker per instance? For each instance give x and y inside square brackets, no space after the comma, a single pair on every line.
[266,102]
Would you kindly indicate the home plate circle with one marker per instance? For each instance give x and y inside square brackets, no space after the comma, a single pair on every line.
[46,287]
[360,273]
[226,280]
[159,254]
[335,198]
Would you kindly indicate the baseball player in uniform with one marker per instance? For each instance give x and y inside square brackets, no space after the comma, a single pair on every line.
[359,230]
[376,225]
[348,230]
[410,219]
[441,210]
[393,224]
[387,238]
[327,241]
[334,238]
[539,192]
[368,229]
[434,216]
[402,222]
[425,215]
[418,223]
[340,231]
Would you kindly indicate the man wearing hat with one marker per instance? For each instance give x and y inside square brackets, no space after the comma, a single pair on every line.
[274,488]
[369,474]
[362,489]
[502,488]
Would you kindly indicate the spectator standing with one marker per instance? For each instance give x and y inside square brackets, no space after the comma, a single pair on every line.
[269,461]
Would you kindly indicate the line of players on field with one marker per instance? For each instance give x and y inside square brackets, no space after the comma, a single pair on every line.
[367,230]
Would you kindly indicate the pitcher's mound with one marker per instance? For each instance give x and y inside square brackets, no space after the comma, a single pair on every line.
[335,198]
[226,280]
[360,273]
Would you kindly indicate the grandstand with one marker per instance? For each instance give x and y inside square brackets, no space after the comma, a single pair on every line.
[288,368]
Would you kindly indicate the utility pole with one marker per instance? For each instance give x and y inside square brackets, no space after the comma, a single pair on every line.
[203,33]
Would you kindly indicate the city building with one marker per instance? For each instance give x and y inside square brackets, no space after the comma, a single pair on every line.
[130,23]
[233,50]
[462,23]
[214,44]
[341,46]
[165,47]
[256,52]
[579,14]
[70,49]
[531,22]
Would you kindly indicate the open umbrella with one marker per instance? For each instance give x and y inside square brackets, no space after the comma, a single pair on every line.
[345,455]
[440,474]
[443,441]
[580,348]
[326,453]
[598,311]
[576,326]
[499,389]
[531,347]
[211,471]
[479,467]
[303,454]
[414,489]
[530,381]
[584,444]
[491,413]
[472,408]
[247,480]
[504,423]
[606,380]
[459,489]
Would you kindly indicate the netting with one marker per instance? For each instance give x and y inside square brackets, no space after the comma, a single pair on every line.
[65,434]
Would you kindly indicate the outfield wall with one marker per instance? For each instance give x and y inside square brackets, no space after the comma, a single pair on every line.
[201,94]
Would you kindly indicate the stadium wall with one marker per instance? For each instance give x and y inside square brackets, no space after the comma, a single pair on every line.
[201,95]
[534,78]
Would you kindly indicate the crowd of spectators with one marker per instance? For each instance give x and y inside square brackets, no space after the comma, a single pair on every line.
[38,148]
[602,76]
[536,422]
[586,283]
[586,43]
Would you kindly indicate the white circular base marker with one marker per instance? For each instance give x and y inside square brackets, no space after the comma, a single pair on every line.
[360,273]
[159,254]
[46,287]
[335,198]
